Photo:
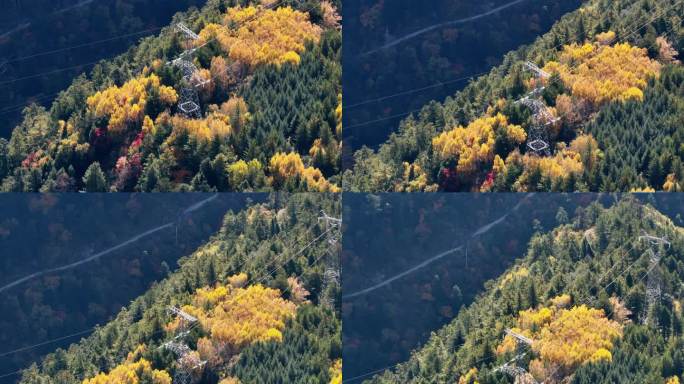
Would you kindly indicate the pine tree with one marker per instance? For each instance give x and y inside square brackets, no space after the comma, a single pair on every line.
[94,179]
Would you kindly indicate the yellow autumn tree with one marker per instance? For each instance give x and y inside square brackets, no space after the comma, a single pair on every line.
[236,110]
[229,380]
[139,372]
[414,179]
[288,166]
[564,339]
[240,171]
[220,74]
[473,146]
[577,336]
[317,149]
[298,293]
[263,36]
[562,301]
[215,125]
[605,38]
[237,317]
[338,117]
[336,372]
[599,73]
[469,378]
[672,184]
[126,104]
[331,18]
[557,168]
[239,280]
[248,315]
[588,149]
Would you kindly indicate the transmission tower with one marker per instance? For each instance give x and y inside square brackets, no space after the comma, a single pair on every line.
[654,276]
[512,367]
[332,226]
[540,73]
[187,362]
[331,276]
[537,136]
[189,104]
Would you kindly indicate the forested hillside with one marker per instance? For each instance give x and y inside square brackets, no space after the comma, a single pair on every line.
[595,300]
[44,44]
[610,91]
[380,84]
[264,292]
[62,269]
[267,77]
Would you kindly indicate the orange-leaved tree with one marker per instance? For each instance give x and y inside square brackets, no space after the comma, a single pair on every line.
[285,167]
[472,147]
[255,35]
[139,372]
[236,317]
[564,338]
[126,105]
[599,72]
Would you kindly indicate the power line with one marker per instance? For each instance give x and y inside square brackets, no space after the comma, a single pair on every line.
[579,301]
[262,279]
[480,231]
[110,58]
[53,71]
[31,100]
[83,45]
[47,342]
[414,90]
[440,25]
[470,77]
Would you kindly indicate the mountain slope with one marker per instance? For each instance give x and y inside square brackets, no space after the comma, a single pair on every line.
[63,39]
[431,61]
[580,295]
[265,311]
[268,84]
[477,140]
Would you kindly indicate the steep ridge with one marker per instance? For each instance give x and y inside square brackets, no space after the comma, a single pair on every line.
[47,36]
[580,298]
[264,296]
[251,102]
[438,45]
[606,86]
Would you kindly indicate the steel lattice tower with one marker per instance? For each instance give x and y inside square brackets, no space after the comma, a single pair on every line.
[189,104]
[654,275]
[512,368]
[333,226]
[537,136]
[187,362]
[331,276]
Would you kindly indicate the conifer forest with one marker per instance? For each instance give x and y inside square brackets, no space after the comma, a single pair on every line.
[341,192]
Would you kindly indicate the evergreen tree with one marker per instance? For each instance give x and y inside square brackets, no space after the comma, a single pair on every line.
[94,179]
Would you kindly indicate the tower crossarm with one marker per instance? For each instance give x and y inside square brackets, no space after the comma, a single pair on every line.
[181,27]
[329,219]
[331,275]
[180,349]
[182,314]
[655,240]
[520,338]
[535,68]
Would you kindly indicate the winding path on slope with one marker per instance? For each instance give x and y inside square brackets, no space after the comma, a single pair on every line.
[480,231]
[107,251]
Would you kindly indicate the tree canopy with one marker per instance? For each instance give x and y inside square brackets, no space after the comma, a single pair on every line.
[268,81]
[606,80]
